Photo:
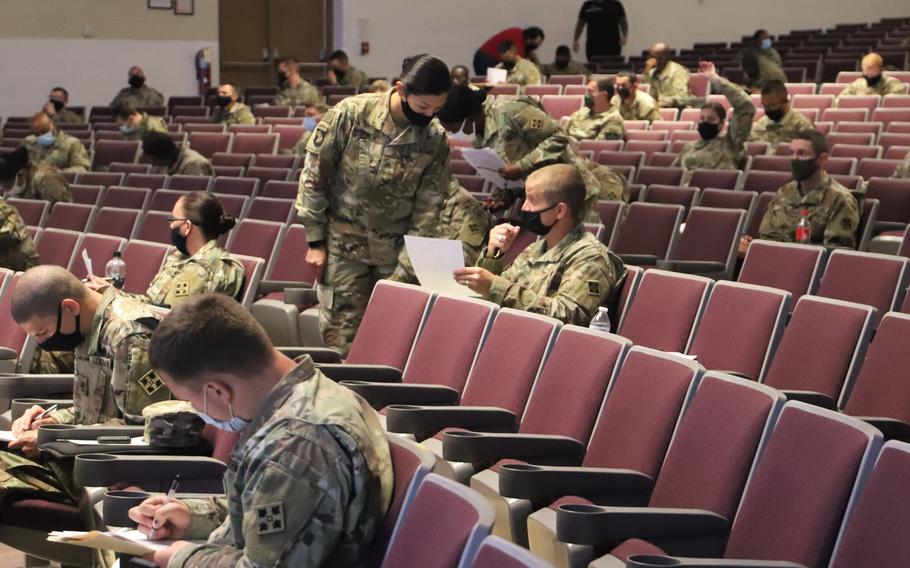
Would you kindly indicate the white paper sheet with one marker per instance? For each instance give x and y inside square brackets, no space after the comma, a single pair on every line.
[6,436]
[137,441]
[488,163]
[434,261]
[496,76]
[88,263]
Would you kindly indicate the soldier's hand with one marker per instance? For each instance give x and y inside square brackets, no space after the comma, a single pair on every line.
[493,205]
[330,75]
[24,423]
[163,557]
[477,279]
[315,257]
[168,518]
[576,47]
[650,63]
[744,243]
[511,172]
[501,238]
[27,442]
[707,68]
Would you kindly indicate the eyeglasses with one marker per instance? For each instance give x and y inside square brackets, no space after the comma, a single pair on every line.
[172,219]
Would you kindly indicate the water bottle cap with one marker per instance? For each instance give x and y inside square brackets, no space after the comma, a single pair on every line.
[118,254]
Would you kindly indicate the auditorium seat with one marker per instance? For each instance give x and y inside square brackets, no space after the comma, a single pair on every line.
[719,179]
[143,260]
[208,143]
[611,158]
[249,128]
[271,209]
[279,189]
[611,214]
[99,247]
[855,151]
[235,185]
[188,183]
[709,243]
[128,168]
[725,199]
[154,226]
[263,111]
[795,268]
[233,159]
[649,175]
[266,174]
[288,161]
[33,211]
[876,280]
[261,143]
[255,238]
[288,136]
[497,552]
[252,268]
[85,194]
[567,80]
[114,221]
[648,232]
[57,246]
[765,181]
[69,216]
[107,151]
[228,171]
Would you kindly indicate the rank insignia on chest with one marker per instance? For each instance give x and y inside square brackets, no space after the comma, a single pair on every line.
[150,383]
[593,287]
[182,289]
[270,518]
[536,123]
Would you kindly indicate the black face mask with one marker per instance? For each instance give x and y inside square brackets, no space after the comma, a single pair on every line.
[775,114]
[179,241]
[223,101]
[282,78]
[339,74]
[413,117]
[58,105]
[136,81]
[873,80]
[531,221]
[624,94]
[562,63]
[803,169]
[589,101]
[509,65]
[63,341]
[708,130]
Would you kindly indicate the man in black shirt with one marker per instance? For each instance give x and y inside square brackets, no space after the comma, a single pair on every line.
[607,27]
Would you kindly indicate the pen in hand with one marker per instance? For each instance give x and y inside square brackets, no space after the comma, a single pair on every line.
[168,497]
[44,414]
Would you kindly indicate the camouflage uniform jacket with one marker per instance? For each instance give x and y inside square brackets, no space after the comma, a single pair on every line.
[886,86]
[66,116]
[523,73]
[567,282]
[299,148]
[144,96]
[17,249]
[642,107]
[113,379]
[573,68]
[670,86]
[239,113]
[67,153]
[903,169]
[42,182]
[211,269]
[146,125]
[354,77]
[768,70]
[766,130]
[302,95]
[833,214]
[725,152]
[190,163]
[308,483]
[585,125]
[522,132]
[367,180]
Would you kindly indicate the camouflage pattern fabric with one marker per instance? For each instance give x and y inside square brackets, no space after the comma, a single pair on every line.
[886,86]
[239,113]
[41,181]
[903,169]
[302,95]
[523,73]
[584,124]
[172,424]
[17,249]
[640,106]
[66,116]
[670,86]
[354,77]
[766,130]
[191,163]
[573,68]
[66,153]
[211,269]
[146,124]
[144,96]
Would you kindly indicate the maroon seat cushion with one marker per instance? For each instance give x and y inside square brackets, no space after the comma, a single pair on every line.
[39,514]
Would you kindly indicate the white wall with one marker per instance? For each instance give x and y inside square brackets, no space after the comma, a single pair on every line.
[453,29]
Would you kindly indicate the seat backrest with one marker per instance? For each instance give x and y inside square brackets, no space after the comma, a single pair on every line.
[189,183]
[143,261]
[665,310]
[115,221]
[641,411]
[793,267]
[894,196]
[510,360]
[234,159]
[100,248]
[723,199]
[107,151]
[57,246]
[611,214]
[649,228]
[207,143]
[711,235]
[391,322]
[877,280]
[126,197]
[33,211]
[288,161]
[255,143]
[271,209]
[765,181]
[253,267]
[86,194]
[69,216]
[255,238]
[740,328]
[154,227]
[147,181]
[822,347]
[235,185]
[497,552]
[648,175]
[871,535]
[670,195]
[881,388]
[424,537]
[279,189]
[720,179]
[715,445]
[573,383]
[814,464]
[449,341]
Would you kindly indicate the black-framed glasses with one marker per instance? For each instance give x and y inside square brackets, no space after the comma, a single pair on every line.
[172,219]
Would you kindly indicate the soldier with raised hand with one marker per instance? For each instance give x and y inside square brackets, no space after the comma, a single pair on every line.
[521,71]
[718,150]
[376,169]
[109,333]
[668,79]
[33,181]
[47,145]
[138,93]
[229,109]
[310,477]
[781,122]
[567,274]
[175,160]
[294,91]
[598,119]
[136,125]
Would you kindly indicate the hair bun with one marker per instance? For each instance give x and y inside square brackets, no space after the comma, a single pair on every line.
[226,223]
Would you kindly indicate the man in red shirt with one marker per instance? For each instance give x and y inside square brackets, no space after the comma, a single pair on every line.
[527,41]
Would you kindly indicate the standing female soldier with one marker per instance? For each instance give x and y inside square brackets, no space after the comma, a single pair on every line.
[377,168]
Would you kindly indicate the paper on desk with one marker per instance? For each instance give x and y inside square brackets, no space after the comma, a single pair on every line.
[495,76]
[434,261]
[488,163]
[6,436]
[137,441]
[88,263]
[123,541]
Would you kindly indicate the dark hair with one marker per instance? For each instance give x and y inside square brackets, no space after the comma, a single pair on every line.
[563,50]
[774,86]
[717,108]
[463,102]
[425,74]
[12,162]
[505,46]
[339,55]
[40,291]
[466,70]
[758,33]
[816,138]
[606,85]
[209,333]
[125,109]
[632,77]
[66,93]
[159,146]
[205,211]
[533,32]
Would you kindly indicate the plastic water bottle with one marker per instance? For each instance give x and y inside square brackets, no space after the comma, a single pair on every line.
[803,228]
[115,270]
[601,320]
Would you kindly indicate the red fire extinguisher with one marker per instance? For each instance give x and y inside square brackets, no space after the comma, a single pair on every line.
[203,69]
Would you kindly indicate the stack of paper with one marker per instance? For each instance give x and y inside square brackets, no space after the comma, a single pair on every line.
[124,541]
[496,76]
[488,165]
[434,261]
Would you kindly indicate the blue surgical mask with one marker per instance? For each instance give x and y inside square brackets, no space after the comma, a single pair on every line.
[127,129]
[235,424]
[310,122]
[766,43]
[46,139]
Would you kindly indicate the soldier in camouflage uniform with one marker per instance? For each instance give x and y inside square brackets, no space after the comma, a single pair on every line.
[135,125]
[598,119]
[33,181]
[713,151]
[903,169]
[230,110]
[172,424]
[669,80]
[311,117]
[310,477]
[833,212]
[873,82]
[138,93]
[521,71]
[780,122]
[341,72]
[295,91]
[109,332]
[56,108]
[633,103]
[176,160]
[377,168]
[50,146]
[17,249]
[564,65]
[567,274]
[759,70]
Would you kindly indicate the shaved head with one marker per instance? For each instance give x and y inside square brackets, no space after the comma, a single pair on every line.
[659,48]
[40,291]
[560,183]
